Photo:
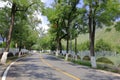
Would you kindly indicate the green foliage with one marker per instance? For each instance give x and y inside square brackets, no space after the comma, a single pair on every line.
[101,46]
[84,46]
[86,63]
[53,46]
[62,17]
[2,45]
[108,29]
[12,45]
[117,49]
[117,26]
[4,21]
[44,42]
[112,38]
[24,33]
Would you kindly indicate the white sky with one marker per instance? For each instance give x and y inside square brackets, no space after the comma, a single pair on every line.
[44,18]
[2,4]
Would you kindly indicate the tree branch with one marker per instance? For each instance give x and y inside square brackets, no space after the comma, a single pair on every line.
[63,36]
[25,8]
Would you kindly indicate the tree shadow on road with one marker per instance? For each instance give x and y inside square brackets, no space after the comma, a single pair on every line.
[52,58]
[31,72]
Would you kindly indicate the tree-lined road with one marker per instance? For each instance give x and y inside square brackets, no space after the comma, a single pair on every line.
[47,67]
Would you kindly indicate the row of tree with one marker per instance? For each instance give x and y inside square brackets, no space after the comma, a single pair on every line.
[18,24]
[69,18]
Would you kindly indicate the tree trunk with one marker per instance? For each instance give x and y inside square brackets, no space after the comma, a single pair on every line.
[92,37]
[76,45]
[4,57]
[75,48]
[67,46]
[19,54]
[11,27]
[58,49]
[60,44]
[20,47]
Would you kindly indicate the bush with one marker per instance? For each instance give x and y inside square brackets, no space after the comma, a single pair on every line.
[104,60]
[53,46]
[101,45]
[117,49]
[87,58]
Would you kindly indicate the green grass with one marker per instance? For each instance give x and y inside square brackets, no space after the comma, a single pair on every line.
[13,58]
[85,63]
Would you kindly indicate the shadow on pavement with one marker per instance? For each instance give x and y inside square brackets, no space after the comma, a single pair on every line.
[31,72]
[52,58]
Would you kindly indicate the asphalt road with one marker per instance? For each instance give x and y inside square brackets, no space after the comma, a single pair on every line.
[47,67]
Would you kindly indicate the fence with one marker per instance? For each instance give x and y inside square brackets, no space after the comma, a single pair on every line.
[14,50]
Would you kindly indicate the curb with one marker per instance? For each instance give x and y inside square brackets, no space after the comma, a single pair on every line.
[5,71]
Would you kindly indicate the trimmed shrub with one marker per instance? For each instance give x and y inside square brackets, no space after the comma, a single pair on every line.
[87,58]
[104,60]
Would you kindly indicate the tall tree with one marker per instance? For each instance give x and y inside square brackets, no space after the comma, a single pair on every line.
[55,18]
[17,6]
[99,13]
[63,13]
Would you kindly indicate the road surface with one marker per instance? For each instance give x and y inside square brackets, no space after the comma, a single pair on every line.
[48,67]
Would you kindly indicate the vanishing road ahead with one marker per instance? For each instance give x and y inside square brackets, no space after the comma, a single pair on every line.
[47,67]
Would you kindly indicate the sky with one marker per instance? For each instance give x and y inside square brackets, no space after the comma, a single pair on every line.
[2,4]
[44,18]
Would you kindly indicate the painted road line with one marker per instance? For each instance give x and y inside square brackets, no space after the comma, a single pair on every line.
[59,70]
[7,69]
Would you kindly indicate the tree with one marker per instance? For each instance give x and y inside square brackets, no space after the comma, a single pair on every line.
[55,18]
[4,22]
[70,12]
[99,13]
[17,6]
[61,16]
